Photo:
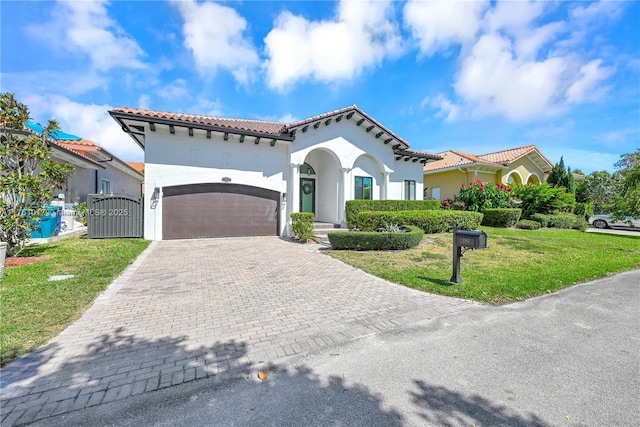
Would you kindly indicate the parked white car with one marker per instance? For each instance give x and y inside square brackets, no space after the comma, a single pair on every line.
[605,221]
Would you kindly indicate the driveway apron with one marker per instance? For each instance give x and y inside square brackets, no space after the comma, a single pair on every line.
[191,309]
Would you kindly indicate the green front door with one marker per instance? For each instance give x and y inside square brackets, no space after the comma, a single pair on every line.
[307,195]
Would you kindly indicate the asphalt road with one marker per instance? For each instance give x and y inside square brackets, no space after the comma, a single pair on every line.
[566,359]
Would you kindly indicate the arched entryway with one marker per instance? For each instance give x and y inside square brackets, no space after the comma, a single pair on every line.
[320,181]
[514,178]
[533,179]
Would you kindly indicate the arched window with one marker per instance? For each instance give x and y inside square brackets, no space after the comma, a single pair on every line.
[306,169]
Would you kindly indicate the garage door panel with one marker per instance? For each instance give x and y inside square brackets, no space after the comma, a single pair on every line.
[219,210]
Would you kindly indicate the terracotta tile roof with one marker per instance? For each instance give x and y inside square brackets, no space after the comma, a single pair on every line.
[139,166]
[322,116]
[273,128]
[81,142]
[74,151]
[451,159]
[508,156]
[354,109]
[260,126]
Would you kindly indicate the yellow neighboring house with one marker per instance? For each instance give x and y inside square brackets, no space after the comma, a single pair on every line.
[523,165]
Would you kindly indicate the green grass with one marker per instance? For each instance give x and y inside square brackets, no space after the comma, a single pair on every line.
[517,264]
[34,310]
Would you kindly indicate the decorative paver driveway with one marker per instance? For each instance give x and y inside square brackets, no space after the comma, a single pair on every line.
[192,309]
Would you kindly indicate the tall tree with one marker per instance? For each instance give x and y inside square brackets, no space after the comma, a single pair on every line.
[560,176]
[28,176]
[600,188]
[628,203]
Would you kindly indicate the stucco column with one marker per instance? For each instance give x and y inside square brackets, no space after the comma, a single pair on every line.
[385,186]
[343,194]
[293,192]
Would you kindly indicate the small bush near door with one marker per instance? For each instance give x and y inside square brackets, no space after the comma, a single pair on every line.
[302,225]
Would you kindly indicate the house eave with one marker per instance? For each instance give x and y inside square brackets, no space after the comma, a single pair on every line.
[128,123]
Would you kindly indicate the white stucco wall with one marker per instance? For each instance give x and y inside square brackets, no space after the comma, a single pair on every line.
[180,159]
[337,152]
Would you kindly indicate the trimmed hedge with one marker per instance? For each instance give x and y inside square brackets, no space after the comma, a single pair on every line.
[302,224]
[561,220]
[527,224]
[431,221]
[501,217]
[375,241]
[354,207]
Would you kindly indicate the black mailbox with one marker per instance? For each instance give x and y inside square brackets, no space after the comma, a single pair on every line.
[471,239]
[468,240]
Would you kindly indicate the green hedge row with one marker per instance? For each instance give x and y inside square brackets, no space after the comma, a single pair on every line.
[527,224]
[501,217]
[354,207]
[561,220]
[375,241]
[302,224]
[431,221]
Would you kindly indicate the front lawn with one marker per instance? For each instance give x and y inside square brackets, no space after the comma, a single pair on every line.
[34,310]
[517,264]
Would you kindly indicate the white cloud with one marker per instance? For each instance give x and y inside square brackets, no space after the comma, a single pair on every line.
[89,121]
[447,109]
[437,25]
[85,27]
[596,12]
[208,107]
[214,34]
[493,81]
[144,101]
[512,16]
[514,60]
[362,35]
[177,89]
[587,85]
[288,118]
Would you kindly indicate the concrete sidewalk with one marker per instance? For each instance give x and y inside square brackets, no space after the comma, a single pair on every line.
[193,309]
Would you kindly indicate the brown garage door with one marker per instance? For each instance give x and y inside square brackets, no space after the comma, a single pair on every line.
[219,210]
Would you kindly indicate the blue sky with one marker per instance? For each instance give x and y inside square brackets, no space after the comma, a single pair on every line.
[473,76]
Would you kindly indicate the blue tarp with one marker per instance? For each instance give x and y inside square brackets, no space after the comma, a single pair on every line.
[56,134]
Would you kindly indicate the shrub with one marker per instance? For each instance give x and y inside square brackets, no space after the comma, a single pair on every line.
[501,217]
[527,224]
[543,219]
[302,224]
[543,199]
[479,196]
[581,224]
[439,221]
[584,210]
[559,220]
[353,207]
[372,240]
[81,213]
[562,220]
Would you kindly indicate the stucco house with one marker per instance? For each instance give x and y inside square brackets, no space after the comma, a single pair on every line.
[215,177]
[96,170]
[523,165]
[112,175]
